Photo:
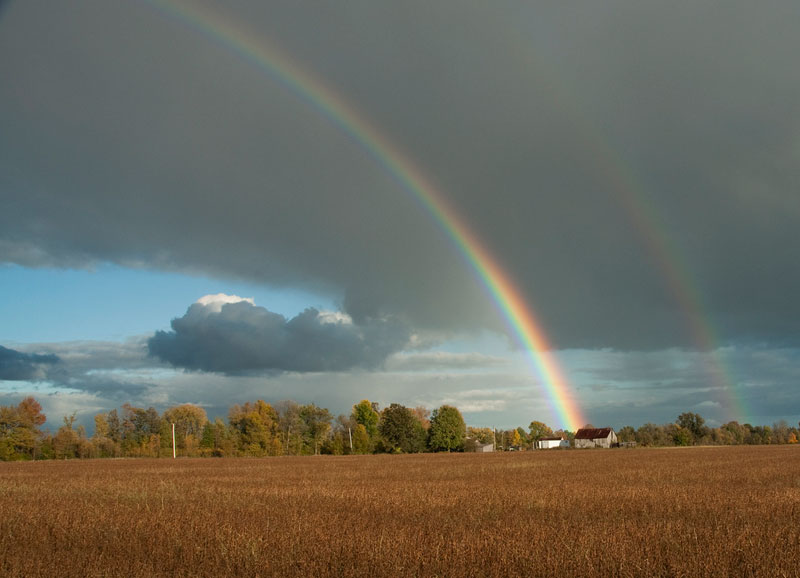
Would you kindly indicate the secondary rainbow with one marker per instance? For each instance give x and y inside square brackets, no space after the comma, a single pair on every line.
[632,197]
[510,302]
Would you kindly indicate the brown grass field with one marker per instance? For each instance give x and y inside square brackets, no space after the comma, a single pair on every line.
[728,511]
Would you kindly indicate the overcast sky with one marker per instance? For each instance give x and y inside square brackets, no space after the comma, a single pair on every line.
[632,166]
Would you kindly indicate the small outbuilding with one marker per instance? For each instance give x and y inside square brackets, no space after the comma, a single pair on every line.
[603,437]
[551,443]
[473,445]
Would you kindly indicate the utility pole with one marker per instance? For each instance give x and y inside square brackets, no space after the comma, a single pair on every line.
[350,434]
[173,441]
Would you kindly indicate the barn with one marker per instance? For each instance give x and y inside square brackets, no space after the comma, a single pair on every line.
[551,443]
[603,437]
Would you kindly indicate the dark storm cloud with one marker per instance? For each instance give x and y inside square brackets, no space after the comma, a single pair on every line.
[128,137]
[113,369]
[19,366]
[239,338]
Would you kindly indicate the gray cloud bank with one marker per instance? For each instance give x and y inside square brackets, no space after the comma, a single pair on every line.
[238,338]
[18,366]
[574,139]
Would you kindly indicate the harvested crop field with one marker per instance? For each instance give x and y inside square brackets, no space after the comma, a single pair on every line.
[729,511]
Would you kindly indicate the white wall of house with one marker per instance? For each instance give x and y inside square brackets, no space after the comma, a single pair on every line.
[550,444]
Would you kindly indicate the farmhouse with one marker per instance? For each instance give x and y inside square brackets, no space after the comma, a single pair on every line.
[603,437]
[550,443]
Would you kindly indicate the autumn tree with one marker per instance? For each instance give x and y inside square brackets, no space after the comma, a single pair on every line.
[483,435]
[338,442]
[448,430]
[524,440]
[290,427]
[516,439]
[736,431]
[423,414]
[693,423]
[104,445]
[256,428]
[141,431]
[65,442]
[189,420]
[539,430]
[780,432]
[19,429]
[362,444]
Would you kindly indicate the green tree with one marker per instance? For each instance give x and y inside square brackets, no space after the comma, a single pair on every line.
[316,425]
[651,434]
[365,414]
[217,440]
[400,430]
[448,430]
[626,434]
[682,436]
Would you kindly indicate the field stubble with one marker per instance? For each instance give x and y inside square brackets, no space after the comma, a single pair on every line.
[690,512]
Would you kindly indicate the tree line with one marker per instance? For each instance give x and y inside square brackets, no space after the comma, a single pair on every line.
[254,429]
[260,429]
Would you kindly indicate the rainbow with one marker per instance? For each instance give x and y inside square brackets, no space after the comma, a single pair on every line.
[516,312]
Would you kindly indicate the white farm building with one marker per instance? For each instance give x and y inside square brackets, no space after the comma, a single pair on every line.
[551,443]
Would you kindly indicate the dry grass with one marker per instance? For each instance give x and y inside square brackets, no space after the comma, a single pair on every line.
[731,511]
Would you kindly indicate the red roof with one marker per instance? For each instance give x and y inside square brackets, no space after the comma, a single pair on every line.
[593,433]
